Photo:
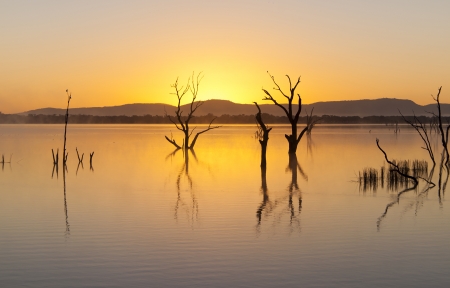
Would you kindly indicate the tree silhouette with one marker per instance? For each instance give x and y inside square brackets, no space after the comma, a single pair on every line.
[263,136]
[293,139]
[182,122]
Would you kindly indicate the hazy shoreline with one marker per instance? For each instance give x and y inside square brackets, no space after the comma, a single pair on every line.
[206,119]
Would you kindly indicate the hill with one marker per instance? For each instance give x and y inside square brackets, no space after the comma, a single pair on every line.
[362,108]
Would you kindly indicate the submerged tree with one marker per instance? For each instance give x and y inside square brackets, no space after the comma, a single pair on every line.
[182,122]
[263,136]
[69,96]
[293,139]
[444,135]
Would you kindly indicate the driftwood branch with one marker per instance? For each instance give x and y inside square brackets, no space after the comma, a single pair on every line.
[395,166]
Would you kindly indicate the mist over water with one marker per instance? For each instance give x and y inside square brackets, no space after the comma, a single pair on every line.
[146,215]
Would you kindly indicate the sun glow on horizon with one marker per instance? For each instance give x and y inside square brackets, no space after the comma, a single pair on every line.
[122,53]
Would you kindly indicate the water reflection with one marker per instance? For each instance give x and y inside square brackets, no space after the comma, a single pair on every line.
[64,172]
[80,163]
[188,206]
[310,146]
[65,202]
[3,162]
[293,201]
[294,190]
[265,205]
[443,178]
[55,169]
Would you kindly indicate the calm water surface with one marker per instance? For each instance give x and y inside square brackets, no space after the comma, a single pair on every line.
[144,216]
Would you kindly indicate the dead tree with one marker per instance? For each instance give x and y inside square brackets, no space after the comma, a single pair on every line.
[182,122]
[292,139]
[444,136]
[263,137]
[69,96]
[423,133]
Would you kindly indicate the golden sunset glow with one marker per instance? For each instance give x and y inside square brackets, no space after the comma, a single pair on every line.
[111,53]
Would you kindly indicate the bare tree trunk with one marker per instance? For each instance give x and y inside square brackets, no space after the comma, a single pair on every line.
[444,137]
[265,136]
[69,96]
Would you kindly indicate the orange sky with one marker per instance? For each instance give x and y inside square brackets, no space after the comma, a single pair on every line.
[117,52]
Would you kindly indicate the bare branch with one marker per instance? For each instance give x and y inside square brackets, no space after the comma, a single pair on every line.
[278,86]
[174,143]
[259,120]
[176,125]
[423,132]
[201,132]
[296,84]
[395,167]
[269,97]
[299,110]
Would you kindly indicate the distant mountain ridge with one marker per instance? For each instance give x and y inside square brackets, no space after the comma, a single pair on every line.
[362,108]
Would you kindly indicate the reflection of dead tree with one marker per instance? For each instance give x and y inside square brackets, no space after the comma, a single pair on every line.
[7,162]
[80,159]
[292,139]
[3,159]
[419,196]
[266,205]
[65,204]
[272,207]
[427,188]
[264,136]
[293,166]
[182,122]
[394,167]
[397,200]
[309,144]
[55,169]
[293,186]
[442,183]
[55,157]
[190,209]
[78,167]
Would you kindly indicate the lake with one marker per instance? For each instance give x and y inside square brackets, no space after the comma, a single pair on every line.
[146,216]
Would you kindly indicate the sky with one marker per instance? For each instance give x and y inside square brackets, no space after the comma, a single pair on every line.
[118,52]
